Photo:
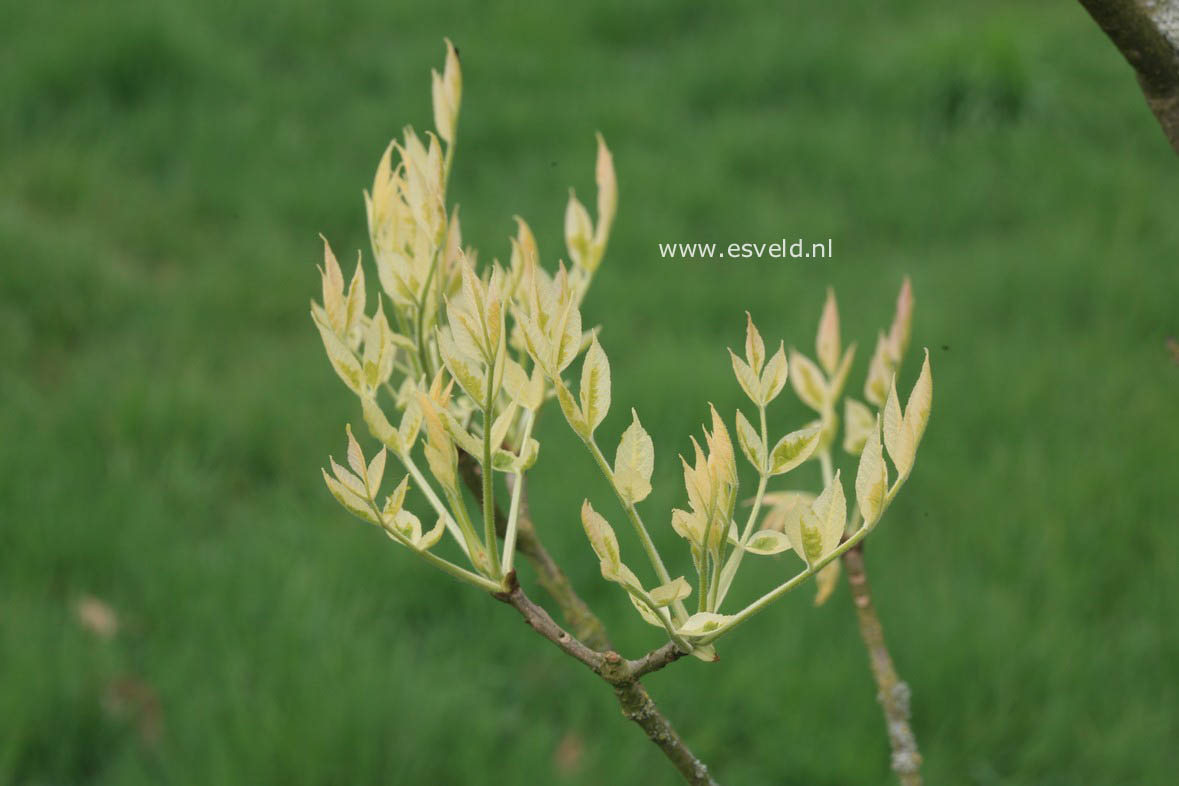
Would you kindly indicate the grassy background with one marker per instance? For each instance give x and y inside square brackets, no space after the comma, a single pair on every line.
[165,404]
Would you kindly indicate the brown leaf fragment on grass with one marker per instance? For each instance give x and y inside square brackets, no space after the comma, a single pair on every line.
[568,755]
[96,616]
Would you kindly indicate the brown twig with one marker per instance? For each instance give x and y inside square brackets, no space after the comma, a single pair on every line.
[623,676]
[893,693]
[585,624]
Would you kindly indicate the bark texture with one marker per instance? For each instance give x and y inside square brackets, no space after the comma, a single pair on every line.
[1146,32]
[892,692]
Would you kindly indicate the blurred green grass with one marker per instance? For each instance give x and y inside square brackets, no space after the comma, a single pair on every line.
[165,404]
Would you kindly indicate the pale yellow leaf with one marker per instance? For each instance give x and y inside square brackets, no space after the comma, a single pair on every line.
[601,536]
[750,442]
[773,378]
[747,379]
[920,403]
[808,381]
[872,477]
[830,511]
[595,386]
[634,462]
[607,197]
[767,541]
[858,423]
[703,622]
[572,412]
[666,594]
[827,343]
[900,448]
[578,230]
[902,323]
[355,454]
[755,348]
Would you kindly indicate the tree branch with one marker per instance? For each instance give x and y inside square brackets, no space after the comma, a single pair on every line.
[623,676]
[1147,34]
[892,692]
[585,624]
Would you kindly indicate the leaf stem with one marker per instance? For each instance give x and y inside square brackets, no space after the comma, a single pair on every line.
[765,600]
[680,611]
[451,525]
[514,507]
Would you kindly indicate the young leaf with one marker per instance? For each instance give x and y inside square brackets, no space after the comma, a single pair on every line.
[595,386]
[578,230]
[464,368]
[897,439]
[808,381]
[720,450]
[880,373]
[755,348]
[350,481]
[351,502]
[837,381]
[919,405]
[830,517]
[430,539]
[356,456]
[703,622]
[747,379]
[666,594]
[441,456]
[826,582]
[644,610]
[376,470]
[689,526]
[634,462]
[794,448]
[872,478]
[773,378]
[767,541]
[607,198]
[858,422]
[601,537]
[827,344]
[379,425]
[572,412]
[394,501]
[902,323]
[342,358]
[750,442]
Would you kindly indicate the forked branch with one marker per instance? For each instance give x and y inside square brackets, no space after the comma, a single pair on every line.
[585,624]
[623,676]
